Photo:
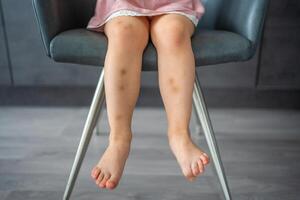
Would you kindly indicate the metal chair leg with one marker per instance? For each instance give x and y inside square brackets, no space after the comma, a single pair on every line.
[196,119]
[97,127]
[201,111]
[93,114]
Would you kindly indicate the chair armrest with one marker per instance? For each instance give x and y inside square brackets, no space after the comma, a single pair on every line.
[53,17]
[244,17]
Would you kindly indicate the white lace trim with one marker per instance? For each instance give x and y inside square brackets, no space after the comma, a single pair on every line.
[134,13]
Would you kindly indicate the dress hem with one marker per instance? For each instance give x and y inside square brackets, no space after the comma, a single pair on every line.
[128,12]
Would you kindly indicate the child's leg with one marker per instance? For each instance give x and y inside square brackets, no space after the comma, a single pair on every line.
[127,38]
[170,33]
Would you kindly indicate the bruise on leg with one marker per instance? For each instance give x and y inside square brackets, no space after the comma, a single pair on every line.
[175,87]
[121,87]
[118,117]
[123,71]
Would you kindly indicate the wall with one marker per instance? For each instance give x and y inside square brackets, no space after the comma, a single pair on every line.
[280,60]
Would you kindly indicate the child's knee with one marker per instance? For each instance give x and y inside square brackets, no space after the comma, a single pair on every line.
[126,32]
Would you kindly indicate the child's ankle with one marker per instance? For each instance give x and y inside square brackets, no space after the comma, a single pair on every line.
[120,138]
[178,132]
[182,136]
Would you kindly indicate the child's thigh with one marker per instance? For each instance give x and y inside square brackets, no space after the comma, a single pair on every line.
[127,26]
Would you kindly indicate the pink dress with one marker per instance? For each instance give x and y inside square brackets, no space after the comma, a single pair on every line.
[108,9]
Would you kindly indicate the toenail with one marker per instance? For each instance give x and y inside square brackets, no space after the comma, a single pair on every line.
[98,181]
[110,185]
[207,157]
[95,175]
[204,158]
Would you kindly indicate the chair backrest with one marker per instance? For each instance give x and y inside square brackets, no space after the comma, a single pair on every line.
[244,17]
[211,15]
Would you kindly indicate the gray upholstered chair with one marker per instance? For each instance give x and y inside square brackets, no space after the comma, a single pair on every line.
[228,32]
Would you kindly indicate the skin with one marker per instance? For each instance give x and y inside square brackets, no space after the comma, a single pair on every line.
[127,38]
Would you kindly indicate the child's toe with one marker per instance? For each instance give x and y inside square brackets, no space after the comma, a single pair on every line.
[112,182]
[103,182]
[200,165]
[100,177]
[188,173]
[195,168]
[95,172]
[110,185]
[205,159]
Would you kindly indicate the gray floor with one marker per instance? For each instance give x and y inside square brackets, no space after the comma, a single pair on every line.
[260,150]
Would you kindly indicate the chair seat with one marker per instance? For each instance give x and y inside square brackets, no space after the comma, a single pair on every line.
[81,46]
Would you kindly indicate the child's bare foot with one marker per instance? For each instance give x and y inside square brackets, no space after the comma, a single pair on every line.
[191,158]
[109,169]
